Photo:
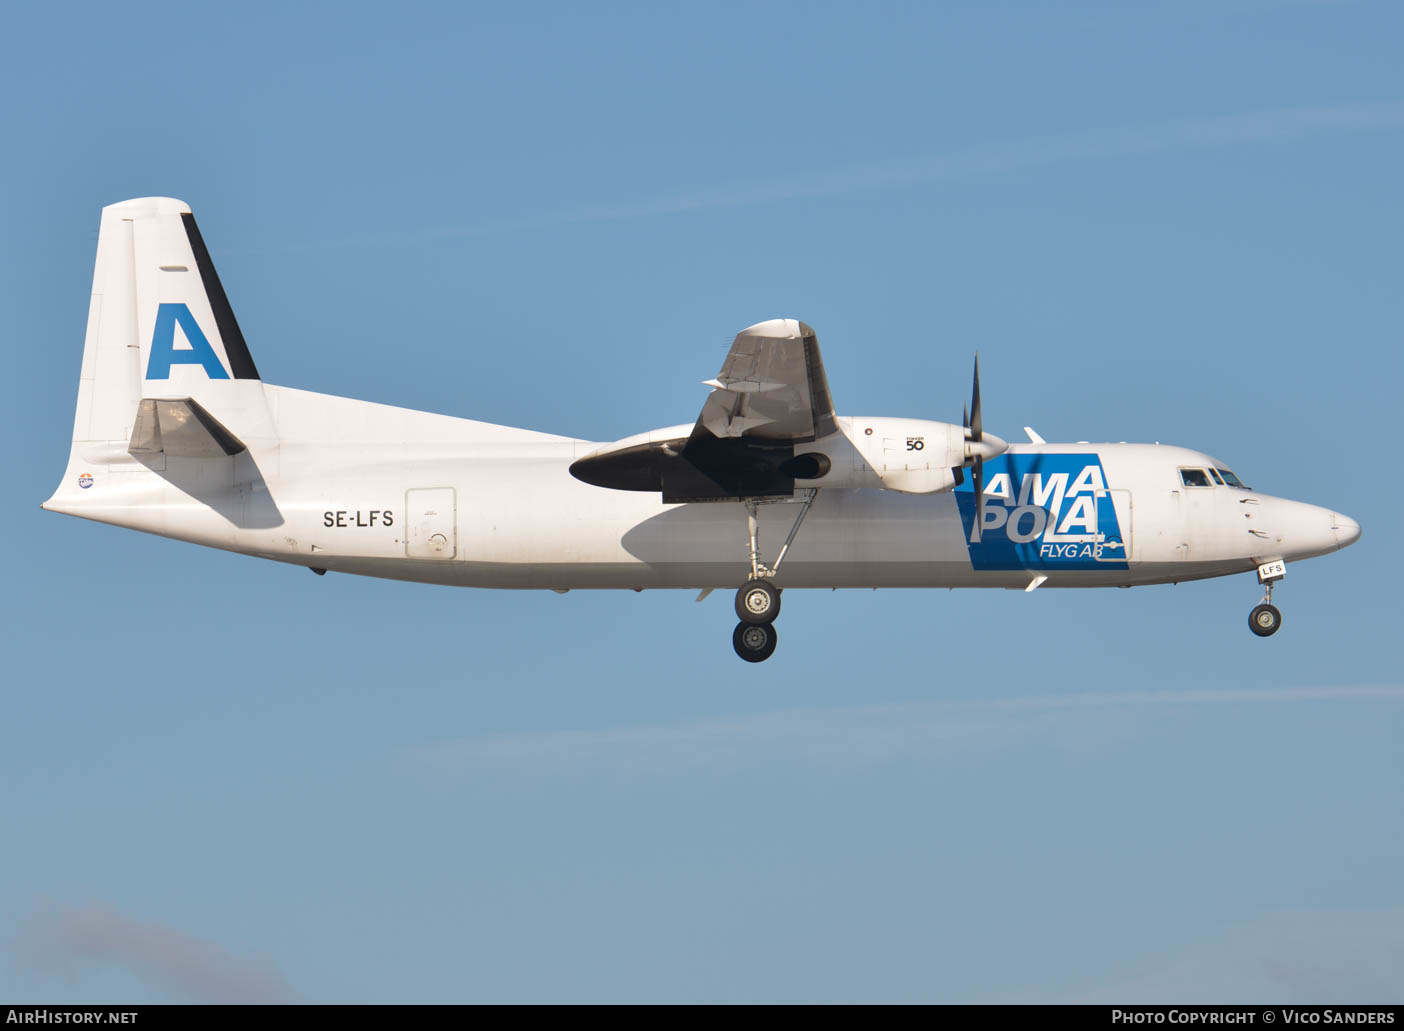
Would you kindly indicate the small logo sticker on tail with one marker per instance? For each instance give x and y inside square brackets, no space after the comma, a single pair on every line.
[85,481]
[163,348]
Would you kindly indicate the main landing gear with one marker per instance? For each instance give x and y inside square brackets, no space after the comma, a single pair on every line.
[754,642]
[1265,619]
[758,602]
[758,599]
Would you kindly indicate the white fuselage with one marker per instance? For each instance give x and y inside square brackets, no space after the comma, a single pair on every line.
[360,488]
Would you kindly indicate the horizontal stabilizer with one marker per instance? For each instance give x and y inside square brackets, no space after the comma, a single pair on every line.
[180,428]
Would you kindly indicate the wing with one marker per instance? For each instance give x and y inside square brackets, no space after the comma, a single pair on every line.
[771,387]
[770,396]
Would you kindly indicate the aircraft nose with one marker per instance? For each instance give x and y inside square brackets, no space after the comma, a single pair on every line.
[1346,529]
[1302,530]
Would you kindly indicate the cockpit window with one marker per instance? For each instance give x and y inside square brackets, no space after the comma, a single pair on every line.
[1195,478]
[1217,478]
[1230,479]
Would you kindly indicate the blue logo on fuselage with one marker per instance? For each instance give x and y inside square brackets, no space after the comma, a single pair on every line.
[1043,511]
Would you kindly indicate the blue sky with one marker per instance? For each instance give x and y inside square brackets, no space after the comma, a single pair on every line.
[225,779]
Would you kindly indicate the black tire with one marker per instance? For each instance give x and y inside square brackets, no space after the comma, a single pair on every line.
[757,602]
[754,642]
[1265,620]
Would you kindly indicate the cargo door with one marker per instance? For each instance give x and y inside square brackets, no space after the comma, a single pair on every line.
[431,519]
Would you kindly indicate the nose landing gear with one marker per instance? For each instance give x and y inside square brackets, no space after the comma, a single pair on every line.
[1265,619]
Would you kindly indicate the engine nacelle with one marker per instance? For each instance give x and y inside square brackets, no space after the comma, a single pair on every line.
[914,456]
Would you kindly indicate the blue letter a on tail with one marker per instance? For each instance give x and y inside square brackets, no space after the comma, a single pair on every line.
[163,349]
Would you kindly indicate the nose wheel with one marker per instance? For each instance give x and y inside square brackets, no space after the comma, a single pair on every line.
[1265,619]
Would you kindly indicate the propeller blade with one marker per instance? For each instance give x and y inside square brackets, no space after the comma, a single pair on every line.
[979,485]
[959,475]
[975,424]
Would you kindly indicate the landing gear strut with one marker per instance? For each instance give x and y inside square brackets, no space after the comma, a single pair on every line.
[758,599]
[1265,619]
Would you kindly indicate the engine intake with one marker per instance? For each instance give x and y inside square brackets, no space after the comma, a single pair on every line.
[812,465]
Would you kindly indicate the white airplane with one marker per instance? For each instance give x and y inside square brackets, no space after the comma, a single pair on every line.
[176,434]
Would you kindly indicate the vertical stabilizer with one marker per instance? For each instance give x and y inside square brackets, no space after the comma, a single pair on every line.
[169,398]
[160,326]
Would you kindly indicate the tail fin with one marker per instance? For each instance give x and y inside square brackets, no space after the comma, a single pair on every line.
[166,371]
[160,326]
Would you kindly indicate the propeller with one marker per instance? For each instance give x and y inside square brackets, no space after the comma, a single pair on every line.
[959,471]
[977,449]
